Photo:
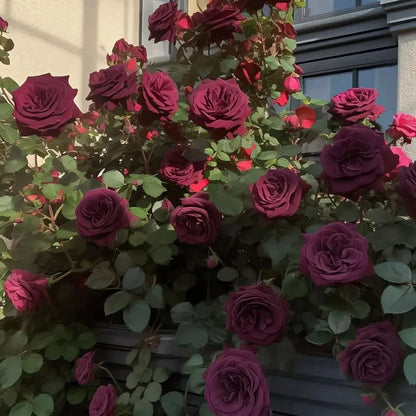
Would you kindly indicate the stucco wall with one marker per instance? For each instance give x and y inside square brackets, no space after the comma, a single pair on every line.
[66,37]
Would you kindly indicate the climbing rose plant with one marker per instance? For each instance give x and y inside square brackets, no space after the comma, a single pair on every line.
[185,200]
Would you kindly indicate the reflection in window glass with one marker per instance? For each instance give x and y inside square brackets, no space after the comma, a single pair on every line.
[326,86]
[316,7]
[384,80]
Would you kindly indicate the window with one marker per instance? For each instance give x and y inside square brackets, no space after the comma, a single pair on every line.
[317,7]
[161,51]
[382,78]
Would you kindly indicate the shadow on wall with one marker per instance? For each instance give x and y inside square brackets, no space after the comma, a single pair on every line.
[64,37]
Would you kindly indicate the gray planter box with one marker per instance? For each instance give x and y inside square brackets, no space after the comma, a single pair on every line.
[315,387]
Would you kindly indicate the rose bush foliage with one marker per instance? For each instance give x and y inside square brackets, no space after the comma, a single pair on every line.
[184,199]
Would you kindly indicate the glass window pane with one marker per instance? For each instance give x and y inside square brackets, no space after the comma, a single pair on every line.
[326,86]
[384,80]
[364,2]
[315,7]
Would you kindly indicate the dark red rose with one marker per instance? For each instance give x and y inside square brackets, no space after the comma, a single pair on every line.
[357,161]
[248,72]
[287,30]
[113,85]
[85,368]
[220,107]
[101,214]
[159,97]
[3,25]
[217,23]
[407,188]
[44,104]
[355,104]
[197,220]
[123,51]
[278,193]
[403,126]
[27,291]
[374,356]
[121,46]
[177,168]
[103,402]
[166,21]
[235,385]
[257,315]
[336,253]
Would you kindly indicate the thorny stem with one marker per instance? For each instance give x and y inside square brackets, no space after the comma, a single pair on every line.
[112,378]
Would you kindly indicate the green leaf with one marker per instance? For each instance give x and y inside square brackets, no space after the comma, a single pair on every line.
[359,309]
[194,362]
[409,368]
[398,299]
[9,134]
[101,277]
[15,160]
[51,190]
[116,302]
[161,254]
[224,201]
[295,285]
[10,371]
[70,352]
[69,163]
[227,274]
[5,111]
[43,405]
[137,315]
[184,282]
[6,204]
[32,363]
[124,399]
[143,407]
[192,334]
[182,312]
[161,374]
[408,336]
[137,238]
[278,356]
[24,408]
[204,410]
[86,340]
[133,278]
[122,263]
[394,272]
[195,382]
[347,211]
[113,179]
[76,395]
[379,216]
[152,186]
[320,337]
[339,321]
[173,403]
[155,297]
[153,391]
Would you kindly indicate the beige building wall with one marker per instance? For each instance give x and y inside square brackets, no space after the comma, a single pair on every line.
[66,37]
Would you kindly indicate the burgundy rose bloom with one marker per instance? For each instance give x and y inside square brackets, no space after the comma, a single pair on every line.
[407,188]
[357,161]
[355,104]
[216,23]
[336,253]
[103,402]
[3,25]
[278,193]
[177,168]
[257,315]
[166,21]
[101,214]
[159,97]
[248,72]
[220,107]
[114,85]
[235,385]
[374,356]
[123,51]
[27,291]
[197,220]
[403,126]
[44,104]
[85,368]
